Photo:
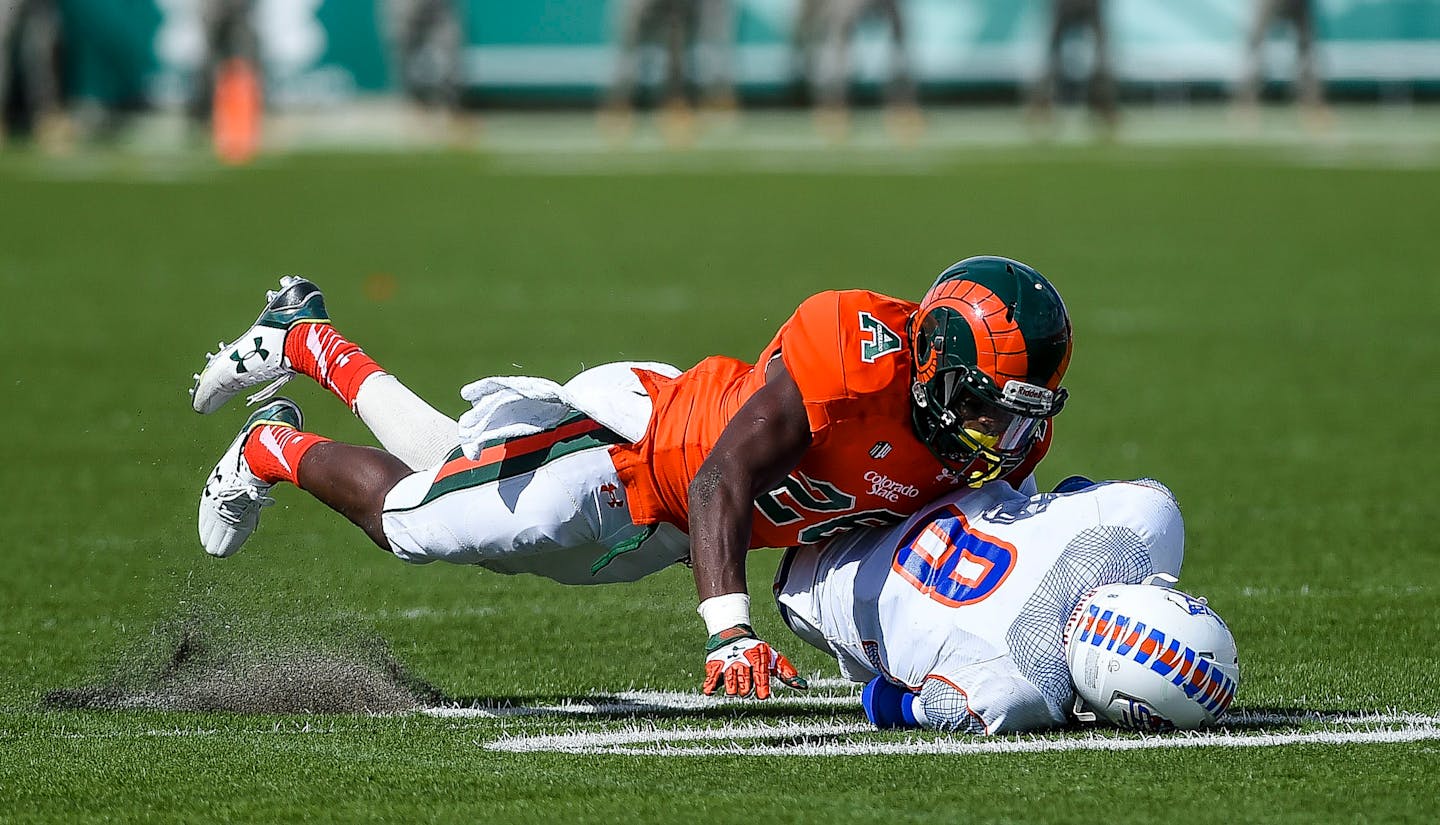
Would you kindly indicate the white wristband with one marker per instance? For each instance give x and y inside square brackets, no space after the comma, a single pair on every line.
[723,612]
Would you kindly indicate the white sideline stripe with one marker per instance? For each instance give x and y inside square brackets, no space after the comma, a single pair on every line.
[728,739]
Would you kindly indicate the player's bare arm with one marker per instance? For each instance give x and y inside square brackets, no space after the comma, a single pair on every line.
[762,443]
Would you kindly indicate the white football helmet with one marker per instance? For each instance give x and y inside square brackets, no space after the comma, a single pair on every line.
[1151,658]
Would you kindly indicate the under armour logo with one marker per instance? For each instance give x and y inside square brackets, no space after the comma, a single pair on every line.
[241,359]
[612,499]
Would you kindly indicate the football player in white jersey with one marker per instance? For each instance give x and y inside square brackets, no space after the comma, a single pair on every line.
[991,611]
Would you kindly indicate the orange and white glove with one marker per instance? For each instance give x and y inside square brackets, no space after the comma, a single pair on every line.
[744,664]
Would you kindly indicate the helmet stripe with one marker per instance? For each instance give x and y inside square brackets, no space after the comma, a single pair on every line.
[1053,382]
[999,344]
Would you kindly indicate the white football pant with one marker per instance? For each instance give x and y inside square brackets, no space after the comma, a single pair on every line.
[567,519]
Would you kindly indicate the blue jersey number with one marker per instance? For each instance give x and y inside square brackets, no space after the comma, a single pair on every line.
[953,564]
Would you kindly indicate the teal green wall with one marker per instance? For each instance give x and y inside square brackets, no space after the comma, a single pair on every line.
[113,52]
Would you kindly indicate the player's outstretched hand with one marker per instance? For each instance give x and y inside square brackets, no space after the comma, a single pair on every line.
[743,664]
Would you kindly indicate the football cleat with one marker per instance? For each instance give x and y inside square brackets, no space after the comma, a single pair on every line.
[233,496]
[258,356]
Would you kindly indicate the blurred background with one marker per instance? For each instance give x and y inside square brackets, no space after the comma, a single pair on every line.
[1237,199]
[249,76]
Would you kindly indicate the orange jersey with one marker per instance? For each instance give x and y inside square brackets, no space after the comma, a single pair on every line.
[849,354]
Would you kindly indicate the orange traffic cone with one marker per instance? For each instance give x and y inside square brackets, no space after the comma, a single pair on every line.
[235,125]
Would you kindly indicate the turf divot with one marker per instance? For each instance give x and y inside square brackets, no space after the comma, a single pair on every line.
[212,659]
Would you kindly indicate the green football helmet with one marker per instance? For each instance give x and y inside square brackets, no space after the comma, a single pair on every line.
[991,341]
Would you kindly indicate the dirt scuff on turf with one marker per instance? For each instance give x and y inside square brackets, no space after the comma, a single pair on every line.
[211,659]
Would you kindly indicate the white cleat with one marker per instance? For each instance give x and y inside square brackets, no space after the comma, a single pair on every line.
[258,356]
[233,496]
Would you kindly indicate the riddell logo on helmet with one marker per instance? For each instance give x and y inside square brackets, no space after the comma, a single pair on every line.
[887,488]
[1028,395]
[1203,682]
[1027,392]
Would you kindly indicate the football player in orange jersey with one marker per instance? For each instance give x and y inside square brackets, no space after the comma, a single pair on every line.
[860,410]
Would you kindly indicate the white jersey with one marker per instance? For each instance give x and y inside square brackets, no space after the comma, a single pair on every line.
[965,603]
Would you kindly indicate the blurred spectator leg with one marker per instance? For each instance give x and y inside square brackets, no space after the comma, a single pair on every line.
[448,37]
[832,113]
[1103,95]
[464,125]
[40,56]
[617,119]
[1247,97]
[1042,94]
[902,109]
[9,24]
[202,92]
[428,42]
[1313,111]
[30,37]
[715,42]
[677,118]
[412,38]
[806,41]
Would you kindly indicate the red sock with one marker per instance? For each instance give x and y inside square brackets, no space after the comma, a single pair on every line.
[273,452]
[325,355]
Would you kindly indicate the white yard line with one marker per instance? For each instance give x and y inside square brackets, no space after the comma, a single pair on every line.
[731,740]
[656,739]
[830,739]
[975,747]
[639,702]
[798,738]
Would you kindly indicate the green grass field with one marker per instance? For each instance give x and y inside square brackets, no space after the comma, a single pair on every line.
[1259,333]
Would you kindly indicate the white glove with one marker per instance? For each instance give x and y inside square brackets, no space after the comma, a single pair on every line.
[509,407]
